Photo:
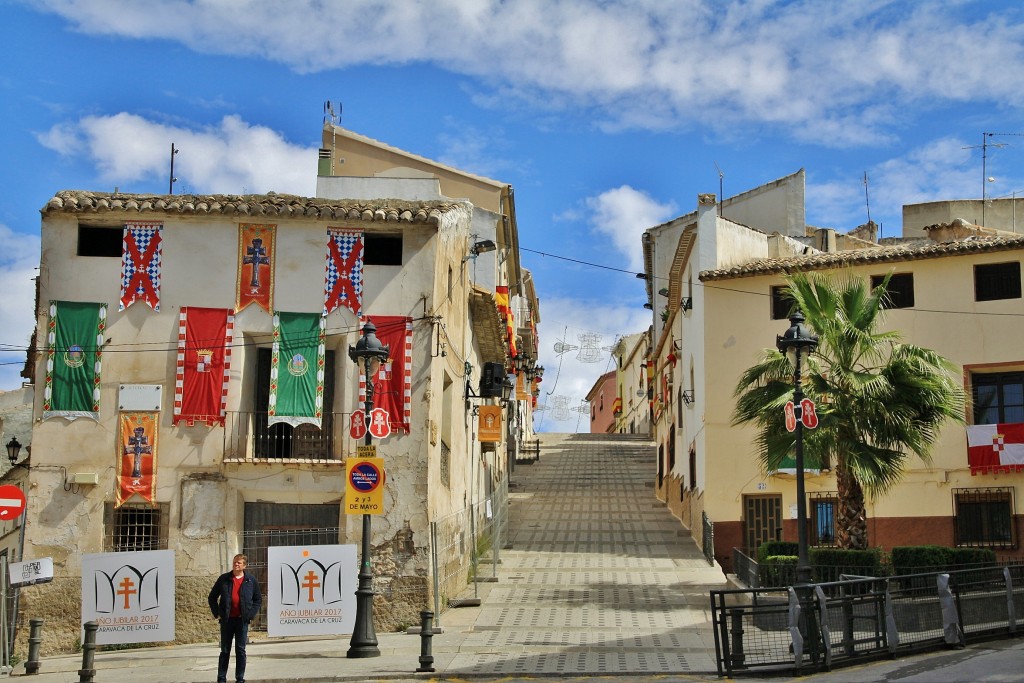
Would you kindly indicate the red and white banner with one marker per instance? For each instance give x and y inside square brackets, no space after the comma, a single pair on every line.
[393,382]
[204,359]
[995,448]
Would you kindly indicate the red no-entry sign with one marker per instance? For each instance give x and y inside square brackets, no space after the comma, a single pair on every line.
[12,502]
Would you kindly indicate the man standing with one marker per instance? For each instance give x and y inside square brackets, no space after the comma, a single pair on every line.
[234,600]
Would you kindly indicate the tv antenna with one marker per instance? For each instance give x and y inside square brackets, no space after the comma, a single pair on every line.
[170,185]
[985,180]
[721,184]
[867,199]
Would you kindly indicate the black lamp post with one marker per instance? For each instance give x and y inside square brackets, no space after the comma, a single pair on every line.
[371,353]
[797,343]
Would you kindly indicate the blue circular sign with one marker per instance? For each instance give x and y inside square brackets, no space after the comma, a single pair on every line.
[365,477]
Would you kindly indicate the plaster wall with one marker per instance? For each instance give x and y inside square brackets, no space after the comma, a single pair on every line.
[1000,214]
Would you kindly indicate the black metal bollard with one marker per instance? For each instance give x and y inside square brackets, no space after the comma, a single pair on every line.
[736,630]
[426,639]
[88,670]
[35,639]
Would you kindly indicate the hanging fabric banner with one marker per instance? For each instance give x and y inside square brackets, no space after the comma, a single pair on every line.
[136,457]
[75,340]
[393,382]
[141,248]
[297,369]
[255,282]
[204,358]
[501,302]
[343,285]
[995,448]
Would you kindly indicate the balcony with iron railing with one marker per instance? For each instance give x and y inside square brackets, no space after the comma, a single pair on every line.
[249,438]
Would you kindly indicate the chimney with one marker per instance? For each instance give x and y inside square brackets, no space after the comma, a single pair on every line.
[825,240]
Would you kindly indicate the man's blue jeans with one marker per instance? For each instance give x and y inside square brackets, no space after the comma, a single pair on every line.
[235,629]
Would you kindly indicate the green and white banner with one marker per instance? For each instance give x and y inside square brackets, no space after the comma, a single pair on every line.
[297,369]
[75,341]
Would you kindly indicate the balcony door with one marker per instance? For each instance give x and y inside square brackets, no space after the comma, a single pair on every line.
[282,440]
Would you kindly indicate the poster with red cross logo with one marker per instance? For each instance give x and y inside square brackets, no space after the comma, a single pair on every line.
[311,590]
[129,595]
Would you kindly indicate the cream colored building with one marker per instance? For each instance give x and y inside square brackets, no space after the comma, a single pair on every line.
[633,413]
[244,486]
[959,294]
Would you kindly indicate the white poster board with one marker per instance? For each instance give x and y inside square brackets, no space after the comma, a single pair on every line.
[311,590]
[31,572]
[129,595]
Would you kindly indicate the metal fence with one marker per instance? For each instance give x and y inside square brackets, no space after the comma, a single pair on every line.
[466,549]
[708,539]
[817,626]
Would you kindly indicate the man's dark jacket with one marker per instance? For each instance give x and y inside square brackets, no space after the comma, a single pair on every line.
[249,599]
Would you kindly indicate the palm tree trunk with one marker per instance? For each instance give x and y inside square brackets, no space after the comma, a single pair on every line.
[851,522]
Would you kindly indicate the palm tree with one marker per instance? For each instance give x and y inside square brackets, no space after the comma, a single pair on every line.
[878,399]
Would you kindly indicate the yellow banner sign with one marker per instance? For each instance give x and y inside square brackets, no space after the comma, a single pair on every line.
[364,486]
[489,425]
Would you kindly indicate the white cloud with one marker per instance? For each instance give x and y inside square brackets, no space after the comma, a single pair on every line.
[644,63]
[231,157]
[622,214]
[19,261]
[567,377]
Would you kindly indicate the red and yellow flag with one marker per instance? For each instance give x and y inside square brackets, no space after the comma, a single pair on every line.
[255,281]
[136,457]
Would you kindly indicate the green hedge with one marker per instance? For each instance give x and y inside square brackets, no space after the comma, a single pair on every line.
[918,559]
[778,570]
[775,549]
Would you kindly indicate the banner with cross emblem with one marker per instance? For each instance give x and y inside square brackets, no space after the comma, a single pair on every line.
[343,282]
[311,590]
[255,281]
[130,596]
[141,247]
[136,457]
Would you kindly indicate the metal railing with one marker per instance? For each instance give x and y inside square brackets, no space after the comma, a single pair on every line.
[247,436]
[820,625]
[466,549]
[708,538]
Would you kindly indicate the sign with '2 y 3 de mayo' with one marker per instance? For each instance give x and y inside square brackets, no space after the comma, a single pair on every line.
[129,595]
[311,590]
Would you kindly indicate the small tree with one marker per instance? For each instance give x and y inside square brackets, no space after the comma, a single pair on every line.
[878,399]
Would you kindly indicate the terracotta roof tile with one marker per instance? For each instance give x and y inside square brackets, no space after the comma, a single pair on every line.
[270,205]
[903,252]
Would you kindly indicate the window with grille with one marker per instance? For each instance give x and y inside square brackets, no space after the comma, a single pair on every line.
[899,293]
[823,518]
[135,527]
[782,304]
[997,397]
[993,281]
[983,517]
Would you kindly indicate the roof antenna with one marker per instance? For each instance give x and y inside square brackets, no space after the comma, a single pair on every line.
[721,195]
[867,198]
[170,185]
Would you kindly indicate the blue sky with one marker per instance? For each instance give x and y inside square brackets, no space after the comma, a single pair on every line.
[606,117]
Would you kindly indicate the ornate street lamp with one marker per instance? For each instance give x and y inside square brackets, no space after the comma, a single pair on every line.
[13,449]
[371,353]
[798,343]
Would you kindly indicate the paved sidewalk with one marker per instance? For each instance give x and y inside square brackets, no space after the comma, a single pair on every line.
[600,579]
